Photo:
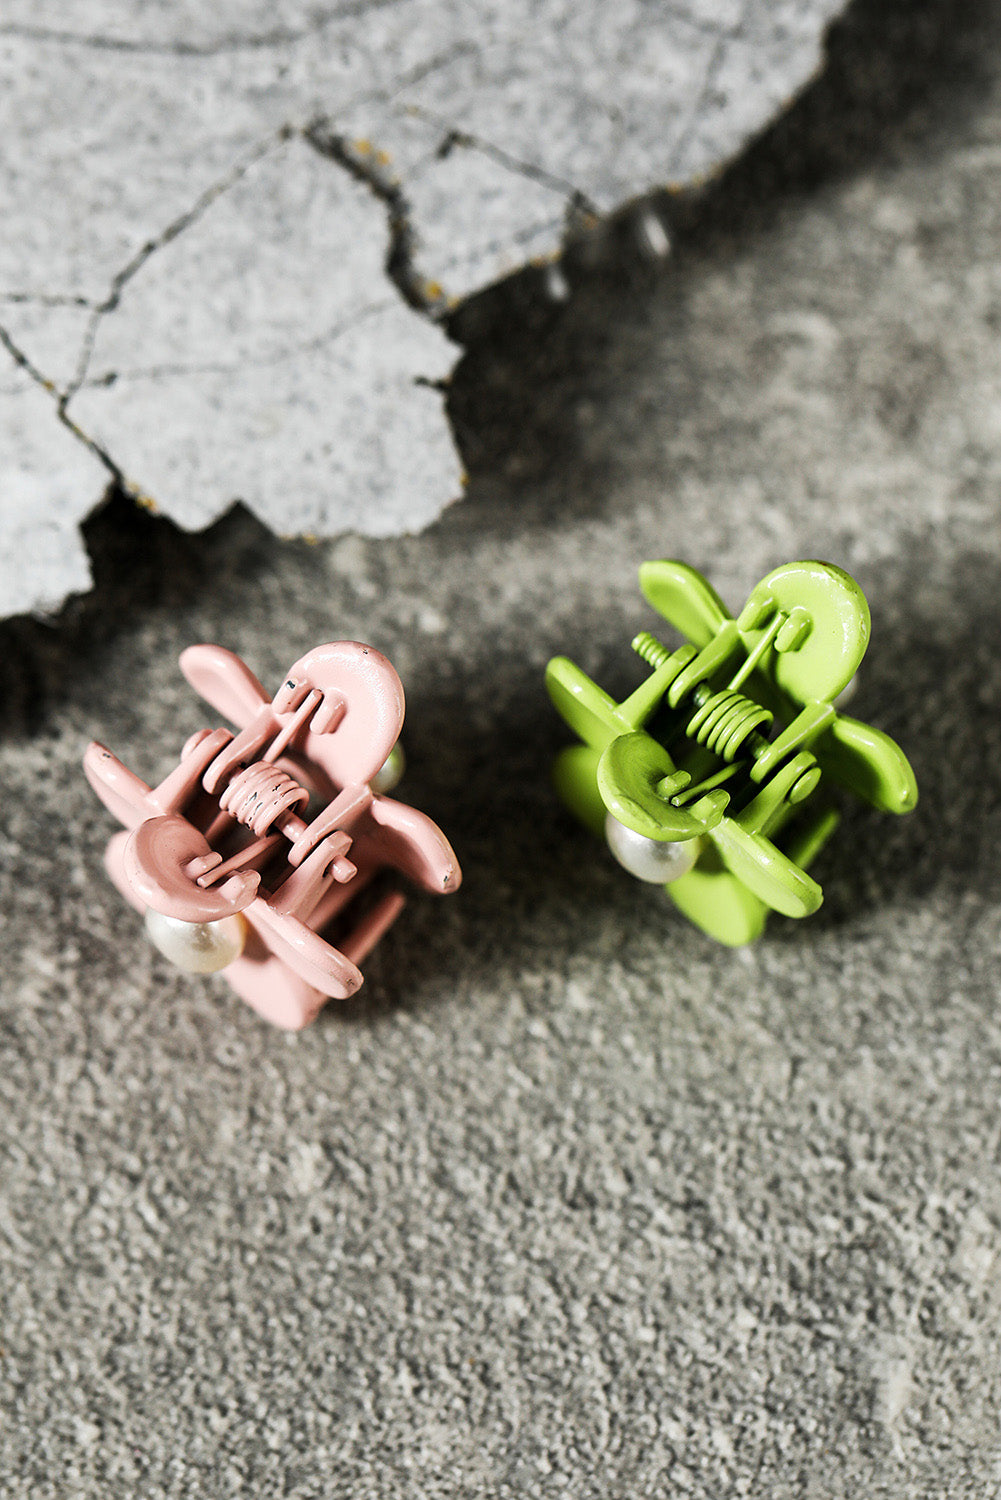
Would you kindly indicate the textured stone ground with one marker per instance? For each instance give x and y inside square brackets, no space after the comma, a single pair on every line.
[571,1201]
[230,231]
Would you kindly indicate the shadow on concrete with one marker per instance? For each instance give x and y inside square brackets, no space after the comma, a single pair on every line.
[529,868]
[897,75]
[931,678]
[899,78]
[140,562]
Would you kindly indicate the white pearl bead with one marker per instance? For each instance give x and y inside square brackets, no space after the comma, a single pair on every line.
[391,772]
[197,947]
[650,859]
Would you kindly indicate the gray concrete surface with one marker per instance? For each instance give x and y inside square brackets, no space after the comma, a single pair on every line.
[571,1202]
[230,230]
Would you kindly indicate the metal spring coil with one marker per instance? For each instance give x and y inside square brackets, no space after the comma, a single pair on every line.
[653,652]
[259,795]
[724,721]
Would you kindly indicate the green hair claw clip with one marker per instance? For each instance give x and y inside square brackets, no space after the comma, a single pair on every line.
[712,777]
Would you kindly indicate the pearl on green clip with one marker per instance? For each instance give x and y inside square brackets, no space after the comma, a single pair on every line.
[649,859]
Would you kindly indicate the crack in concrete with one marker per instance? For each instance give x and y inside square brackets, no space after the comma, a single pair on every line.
[454,137]
[350,156]
[46,299]
[562,223]
[329,136]
[218,367]
[135,264]
[278,36]
[24,363]
[100,310]
[715,63]
[713,68]
[421,71]
[367,163]
[372,167]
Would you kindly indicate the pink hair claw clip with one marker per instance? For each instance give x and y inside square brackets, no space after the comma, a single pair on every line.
[229,859]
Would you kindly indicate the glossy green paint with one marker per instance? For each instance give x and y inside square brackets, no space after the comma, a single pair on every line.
[746,739]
